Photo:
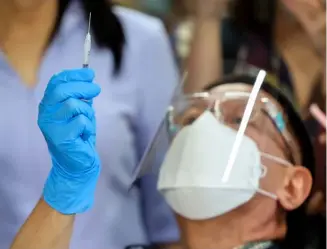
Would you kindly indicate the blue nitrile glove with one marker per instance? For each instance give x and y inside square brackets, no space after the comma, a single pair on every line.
[67,121]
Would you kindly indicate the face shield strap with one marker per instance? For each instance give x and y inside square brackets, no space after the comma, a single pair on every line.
[245,120]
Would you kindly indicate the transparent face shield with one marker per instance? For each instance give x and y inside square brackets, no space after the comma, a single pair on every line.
[209,133]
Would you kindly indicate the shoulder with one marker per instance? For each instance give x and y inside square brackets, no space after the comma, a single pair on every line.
[146,38]
[139,26]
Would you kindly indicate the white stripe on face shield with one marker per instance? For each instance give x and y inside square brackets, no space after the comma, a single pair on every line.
[191,175]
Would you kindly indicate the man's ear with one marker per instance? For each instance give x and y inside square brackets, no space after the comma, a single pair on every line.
[296,187]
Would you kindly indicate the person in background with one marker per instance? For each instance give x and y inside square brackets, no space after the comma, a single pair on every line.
[261,206]
[135,69]
[280,36]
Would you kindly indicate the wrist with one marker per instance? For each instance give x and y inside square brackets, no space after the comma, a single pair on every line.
[70,194]
[202,18]
[212,10]
[77,172]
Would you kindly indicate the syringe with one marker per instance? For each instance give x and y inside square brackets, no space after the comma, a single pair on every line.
[87,46]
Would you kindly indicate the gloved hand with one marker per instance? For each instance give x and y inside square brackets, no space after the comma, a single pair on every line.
[67,121]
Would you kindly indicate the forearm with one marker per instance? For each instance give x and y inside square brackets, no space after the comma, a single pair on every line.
[205,62]
[45,228]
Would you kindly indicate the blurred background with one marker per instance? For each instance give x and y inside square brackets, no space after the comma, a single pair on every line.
[176,15]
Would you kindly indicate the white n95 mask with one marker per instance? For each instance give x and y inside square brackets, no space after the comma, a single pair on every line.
[190,177]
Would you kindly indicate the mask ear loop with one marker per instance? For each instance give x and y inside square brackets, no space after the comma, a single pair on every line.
[266,193]
[276,159]
[265,170]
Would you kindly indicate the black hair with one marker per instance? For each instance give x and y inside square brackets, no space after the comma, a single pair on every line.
[302,230]
[106,27]
[254,16]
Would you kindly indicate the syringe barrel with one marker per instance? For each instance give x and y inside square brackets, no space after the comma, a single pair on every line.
[87,49]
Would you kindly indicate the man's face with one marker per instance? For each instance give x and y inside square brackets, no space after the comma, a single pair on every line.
[261,127]
[280,179]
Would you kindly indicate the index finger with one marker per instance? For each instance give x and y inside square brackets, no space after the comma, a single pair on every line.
[78,90]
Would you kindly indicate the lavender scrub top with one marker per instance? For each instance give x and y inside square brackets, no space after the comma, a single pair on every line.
[129,109]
